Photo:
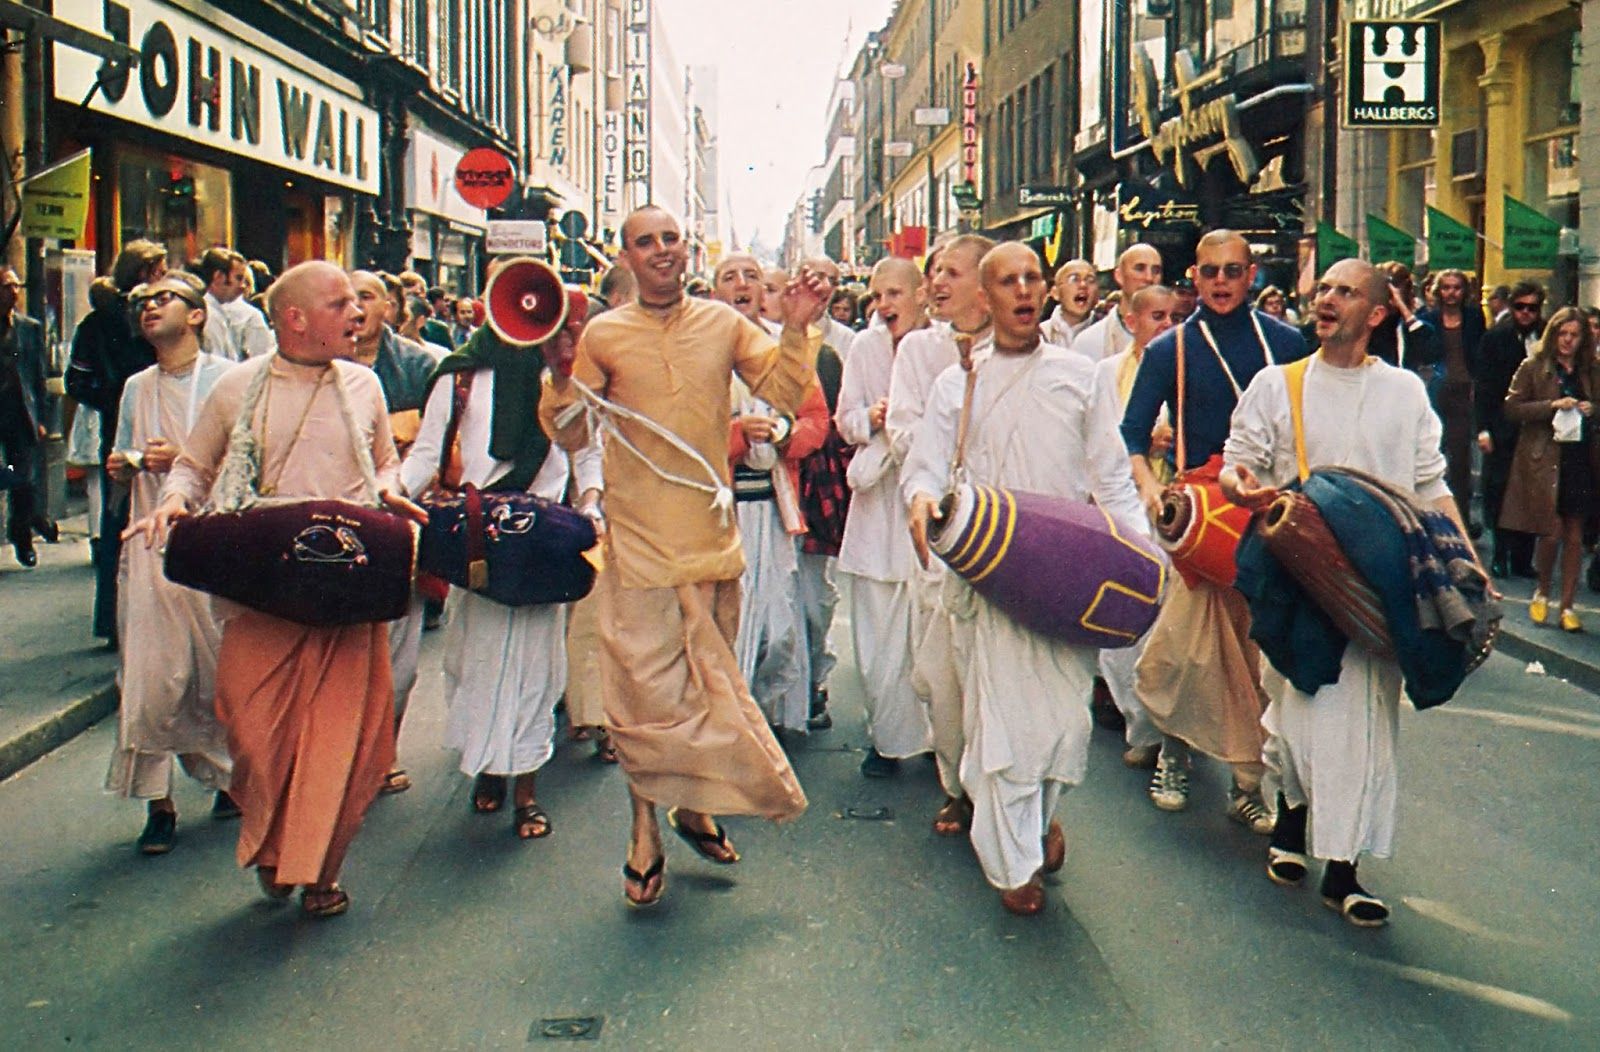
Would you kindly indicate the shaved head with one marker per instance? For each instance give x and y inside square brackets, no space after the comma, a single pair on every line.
[643,211]
[998,260]
[897,267]
[734,260]
[314,312]
[294,287]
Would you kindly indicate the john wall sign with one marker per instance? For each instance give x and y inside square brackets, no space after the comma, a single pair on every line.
[1392,75]
[197,81]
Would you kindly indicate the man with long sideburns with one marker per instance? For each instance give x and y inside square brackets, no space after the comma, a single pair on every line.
[309,711]
[688,733]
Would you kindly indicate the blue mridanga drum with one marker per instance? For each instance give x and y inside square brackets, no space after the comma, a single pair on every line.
[1058,567]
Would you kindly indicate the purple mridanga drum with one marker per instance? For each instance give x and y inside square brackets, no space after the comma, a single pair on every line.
[1058,567]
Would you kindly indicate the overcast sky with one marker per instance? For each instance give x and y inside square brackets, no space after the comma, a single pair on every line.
[776,61]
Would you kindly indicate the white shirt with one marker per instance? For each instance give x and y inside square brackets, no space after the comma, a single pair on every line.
[918,361]
[235,330]
[1110,475]
[876,542]
[1105,338]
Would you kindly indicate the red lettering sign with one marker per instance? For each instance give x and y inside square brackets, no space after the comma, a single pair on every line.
[969,125]
[485,177]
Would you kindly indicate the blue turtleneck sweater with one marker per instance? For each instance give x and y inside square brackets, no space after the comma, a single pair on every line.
[1209,400]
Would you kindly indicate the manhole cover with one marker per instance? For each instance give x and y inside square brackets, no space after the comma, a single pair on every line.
[568,1028]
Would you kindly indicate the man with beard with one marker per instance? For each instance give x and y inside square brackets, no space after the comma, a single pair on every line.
[1215,704]
[1138,267]
[1026,741]
[876,553]
[1504,346]
[1076,289]
[688,734]
[1460,329]
[1334,751]
[956,302]
[771,641]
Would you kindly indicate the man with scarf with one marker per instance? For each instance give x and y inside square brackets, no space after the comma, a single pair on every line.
[1200,674]
[505,667]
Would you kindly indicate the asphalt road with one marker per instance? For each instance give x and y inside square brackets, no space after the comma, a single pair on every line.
[835,932]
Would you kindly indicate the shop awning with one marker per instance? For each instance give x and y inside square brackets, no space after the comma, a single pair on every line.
[14,15]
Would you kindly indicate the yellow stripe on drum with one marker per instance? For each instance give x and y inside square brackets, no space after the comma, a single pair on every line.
[978,554]
[1005,542]
[980,504]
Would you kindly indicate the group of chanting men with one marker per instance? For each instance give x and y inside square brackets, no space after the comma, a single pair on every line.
[707,628]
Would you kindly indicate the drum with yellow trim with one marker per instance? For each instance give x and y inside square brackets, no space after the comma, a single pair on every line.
[1200,529]
[1058,567]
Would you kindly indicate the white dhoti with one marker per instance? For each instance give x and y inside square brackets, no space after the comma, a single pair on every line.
[881,623]
[936,677]
[1335,751]
[504,670]
[405,648]
[771,642]
[818,598]
[1027,731]
[1117,669]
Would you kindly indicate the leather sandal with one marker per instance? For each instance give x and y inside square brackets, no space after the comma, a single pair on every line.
[1287,868]
[633,878]
[1055,848]
[396,781]
[954,818]
[1026,901]
[488,793]
[324,902]
[531,822]
[267,878]
[702,842]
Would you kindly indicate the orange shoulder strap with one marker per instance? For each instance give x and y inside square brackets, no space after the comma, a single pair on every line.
[1294,375]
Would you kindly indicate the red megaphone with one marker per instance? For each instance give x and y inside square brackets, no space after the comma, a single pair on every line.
[525,301]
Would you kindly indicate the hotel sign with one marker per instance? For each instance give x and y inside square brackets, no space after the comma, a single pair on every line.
[1392,75]
[197,81]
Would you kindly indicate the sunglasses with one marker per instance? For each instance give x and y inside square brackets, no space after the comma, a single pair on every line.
[1231,271]
[1519,307]
[158,300]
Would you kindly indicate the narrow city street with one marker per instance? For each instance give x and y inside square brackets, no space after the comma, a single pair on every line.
[853,928]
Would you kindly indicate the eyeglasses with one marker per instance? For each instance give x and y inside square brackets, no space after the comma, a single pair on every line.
[1522,307]
[158,300]
[1231,271]
[1077,279]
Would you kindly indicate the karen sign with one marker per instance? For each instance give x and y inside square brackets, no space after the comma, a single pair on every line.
[1392,75]
[197,81]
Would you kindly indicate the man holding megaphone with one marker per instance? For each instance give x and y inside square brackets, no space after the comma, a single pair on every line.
[687,731]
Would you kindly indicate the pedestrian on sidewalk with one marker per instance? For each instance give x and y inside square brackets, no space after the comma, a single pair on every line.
[22,420]
[309,711]
[167,681]
[1513,338]
[1552,488]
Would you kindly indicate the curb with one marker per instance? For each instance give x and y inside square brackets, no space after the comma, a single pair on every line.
[56,729]
[1576,671]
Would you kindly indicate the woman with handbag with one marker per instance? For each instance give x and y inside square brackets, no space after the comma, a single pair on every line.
[1551,490]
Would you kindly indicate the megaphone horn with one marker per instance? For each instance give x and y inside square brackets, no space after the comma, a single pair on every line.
[525,301]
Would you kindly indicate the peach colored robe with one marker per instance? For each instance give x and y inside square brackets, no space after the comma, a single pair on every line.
[309,711]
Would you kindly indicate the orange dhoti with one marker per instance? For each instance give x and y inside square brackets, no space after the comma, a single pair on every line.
[310,719]
[688,733]
[1200,674]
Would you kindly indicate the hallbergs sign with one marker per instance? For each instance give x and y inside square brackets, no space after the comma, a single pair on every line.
[198,81]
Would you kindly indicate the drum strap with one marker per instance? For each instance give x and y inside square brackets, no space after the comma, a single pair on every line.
[1182,463]
[963,426]
[477,555]
[450,467]
[1294,377]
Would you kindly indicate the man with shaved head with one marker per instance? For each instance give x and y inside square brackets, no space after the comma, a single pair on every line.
[1138,267]
[876,552]
[1332,753]
[1026,697]
[688,733]
[309,711]
[1076,288]
[834,334]
[1212,704]
[961,315]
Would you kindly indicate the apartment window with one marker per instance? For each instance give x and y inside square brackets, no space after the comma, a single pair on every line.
[613,42]
[374,15]
[414,31]
[449,68]
[1025,135]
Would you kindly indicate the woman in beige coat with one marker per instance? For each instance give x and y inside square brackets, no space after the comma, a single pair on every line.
[1554,474]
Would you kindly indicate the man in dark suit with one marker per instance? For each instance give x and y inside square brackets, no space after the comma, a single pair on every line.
[1504,347]
[22,417]
[1460,327]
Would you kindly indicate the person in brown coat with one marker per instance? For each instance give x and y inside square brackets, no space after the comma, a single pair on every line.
[1552,488]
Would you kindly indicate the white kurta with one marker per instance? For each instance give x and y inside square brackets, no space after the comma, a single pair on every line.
[1335,750]
[770,643]
[1027,714]
[236,330]
[504,667]
[876,552]
[1115,491]
[1106,338]
[919,360]
[167,674]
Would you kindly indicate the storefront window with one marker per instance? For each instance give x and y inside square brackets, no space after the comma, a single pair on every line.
[1550,157]
[1091,49]
[183,204]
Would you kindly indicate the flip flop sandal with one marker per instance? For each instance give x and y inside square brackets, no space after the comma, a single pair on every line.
[658,868]
[324,902]
[488,793]
[605,750]
[531,822]
[1287,868]
[267,877]
[702,841]
[954,818]
[396,781]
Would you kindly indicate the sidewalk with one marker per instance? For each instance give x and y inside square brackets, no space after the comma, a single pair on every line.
[55,676]
[1574,657]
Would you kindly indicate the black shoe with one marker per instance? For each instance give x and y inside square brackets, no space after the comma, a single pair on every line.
[1474,529]
[224,806]
[25,553]
[160,830]
[47,529]
[1342,892]
[1499,568]
[819,720]
[1104,708]
[876,765]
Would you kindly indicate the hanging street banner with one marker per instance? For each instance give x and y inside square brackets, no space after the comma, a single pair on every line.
[1392,75]
[1532,238]
[1452,244]
[1389,244]
[1332,246]
[55,201]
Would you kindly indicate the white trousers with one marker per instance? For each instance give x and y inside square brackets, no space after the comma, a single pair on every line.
[936,677]
[504,670]
[770,644]
[405,649]
[880,629]
[818,598]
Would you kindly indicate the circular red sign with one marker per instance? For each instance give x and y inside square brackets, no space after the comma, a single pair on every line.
[485,177]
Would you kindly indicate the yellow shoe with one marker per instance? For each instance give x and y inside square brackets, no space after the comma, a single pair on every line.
[1570,622]
[1539,609]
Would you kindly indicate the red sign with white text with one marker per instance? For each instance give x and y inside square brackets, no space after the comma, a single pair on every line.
[485,177]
